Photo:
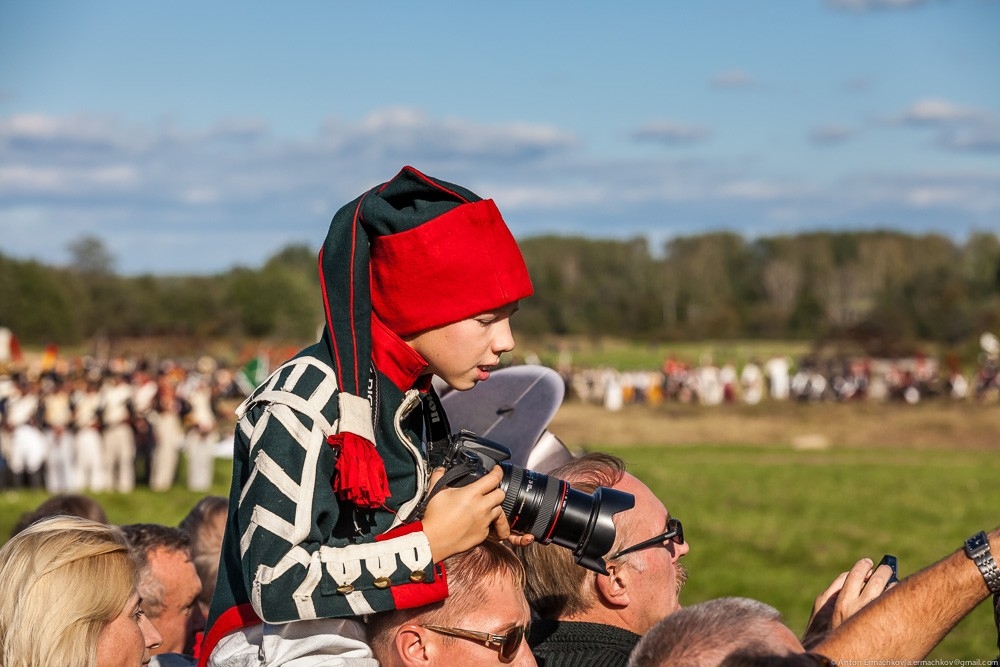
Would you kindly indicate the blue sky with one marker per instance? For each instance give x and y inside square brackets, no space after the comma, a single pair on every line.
[194,136]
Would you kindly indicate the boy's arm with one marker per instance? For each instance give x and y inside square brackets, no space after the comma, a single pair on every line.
[292,565]
[907,622]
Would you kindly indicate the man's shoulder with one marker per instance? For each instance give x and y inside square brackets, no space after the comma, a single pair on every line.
[580,644]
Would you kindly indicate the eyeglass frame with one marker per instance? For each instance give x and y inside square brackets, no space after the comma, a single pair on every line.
[488,639]
[674,532]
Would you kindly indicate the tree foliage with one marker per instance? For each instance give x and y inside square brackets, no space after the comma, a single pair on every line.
[885,290]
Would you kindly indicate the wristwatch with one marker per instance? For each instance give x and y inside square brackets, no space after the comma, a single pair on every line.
[977,548]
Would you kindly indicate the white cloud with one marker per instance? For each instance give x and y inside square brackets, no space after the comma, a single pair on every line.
[933,196]
[734,78]
[959,128]
[232,192]
[831,134]
[982,136]
[931,111]
[401,131]
[238,128]
[671,133]
[38,131]
[546,197]
[200,196]
[867,5]
[66,180]
[958,193]
[754,190]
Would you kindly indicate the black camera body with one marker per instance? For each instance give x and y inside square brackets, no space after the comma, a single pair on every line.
[537,504]
[478,455]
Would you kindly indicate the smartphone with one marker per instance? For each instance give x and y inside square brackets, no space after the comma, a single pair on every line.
[891,562]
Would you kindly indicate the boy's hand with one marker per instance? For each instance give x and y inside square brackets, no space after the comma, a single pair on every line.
[501,531]
[458,518]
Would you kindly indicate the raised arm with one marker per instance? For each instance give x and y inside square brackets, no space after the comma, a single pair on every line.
[908,621]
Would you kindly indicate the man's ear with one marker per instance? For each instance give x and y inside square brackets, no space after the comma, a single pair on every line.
[410,645]
[613,588]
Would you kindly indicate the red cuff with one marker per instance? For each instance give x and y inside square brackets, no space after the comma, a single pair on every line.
[407,596]
[400,530]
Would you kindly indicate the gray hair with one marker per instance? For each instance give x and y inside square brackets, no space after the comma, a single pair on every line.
[704,634]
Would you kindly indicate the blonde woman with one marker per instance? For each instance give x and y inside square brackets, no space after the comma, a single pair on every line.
[68,597]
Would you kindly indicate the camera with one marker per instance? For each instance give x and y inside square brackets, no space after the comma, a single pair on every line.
[537,504]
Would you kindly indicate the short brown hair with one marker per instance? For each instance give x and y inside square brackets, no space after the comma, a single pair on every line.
[206,542]
[554,582]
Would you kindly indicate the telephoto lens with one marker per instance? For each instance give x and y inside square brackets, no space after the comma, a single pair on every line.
[551,510]
[540,505]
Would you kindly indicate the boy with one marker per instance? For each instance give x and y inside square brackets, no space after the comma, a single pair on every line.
[419,277]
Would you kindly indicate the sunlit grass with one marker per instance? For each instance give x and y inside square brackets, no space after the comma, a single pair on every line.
[140,506]
[779,525]
[629,355]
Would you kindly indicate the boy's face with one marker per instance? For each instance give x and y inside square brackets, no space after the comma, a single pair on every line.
[463,353]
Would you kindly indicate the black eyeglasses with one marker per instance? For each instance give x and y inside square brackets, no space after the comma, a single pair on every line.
[506,644]
[675,532]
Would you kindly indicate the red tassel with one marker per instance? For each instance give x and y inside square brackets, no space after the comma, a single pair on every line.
[360,477]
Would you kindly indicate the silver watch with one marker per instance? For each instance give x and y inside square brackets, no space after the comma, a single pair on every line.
[977,548]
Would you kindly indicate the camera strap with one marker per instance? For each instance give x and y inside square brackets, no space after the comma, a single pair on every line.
[451,475]
[437,438]
[437,430]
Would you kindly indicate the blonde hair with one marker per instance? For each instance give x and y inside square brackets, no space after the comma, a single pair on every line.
[62,580]
[471,575]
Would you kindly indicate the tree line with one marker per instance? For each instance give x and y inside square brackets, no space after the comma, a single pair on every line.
[886,291]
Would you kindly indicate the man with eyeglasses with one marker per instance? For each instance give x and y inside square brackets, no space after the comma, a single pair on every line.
[592,619]
[483,621]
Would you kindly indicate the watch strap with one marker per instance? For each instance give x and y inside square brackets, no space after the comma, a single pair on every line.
[977,548]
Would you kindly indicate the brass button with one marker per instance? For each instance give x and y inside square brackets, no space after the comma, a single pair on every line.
[382,582]
[417,576]
[345,589]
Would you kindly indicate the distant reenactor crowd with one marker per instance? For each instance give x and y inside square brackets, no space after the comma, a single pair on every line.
[81,425]
[909,380]
[89,426]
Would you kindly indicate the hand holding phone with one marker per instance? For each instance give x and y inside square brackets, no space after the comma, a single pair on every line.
[889,560]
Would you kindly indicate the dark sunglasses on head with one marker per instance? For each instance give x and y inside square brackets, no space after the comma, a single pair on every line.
[675,532]
[506,644]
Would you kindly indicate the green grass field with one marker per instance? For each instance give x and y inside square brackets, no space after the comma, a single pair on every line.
[764,522]
[778,525]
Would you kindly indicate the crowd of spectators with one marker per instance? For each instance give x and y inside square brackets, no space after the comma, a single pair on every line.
[80,425]
[135,594]
[164,583]
[83,425]
[780,378]
[630,616]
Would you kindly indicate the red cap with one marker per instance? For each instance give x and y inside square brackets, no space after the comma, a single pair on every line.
[459,264]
